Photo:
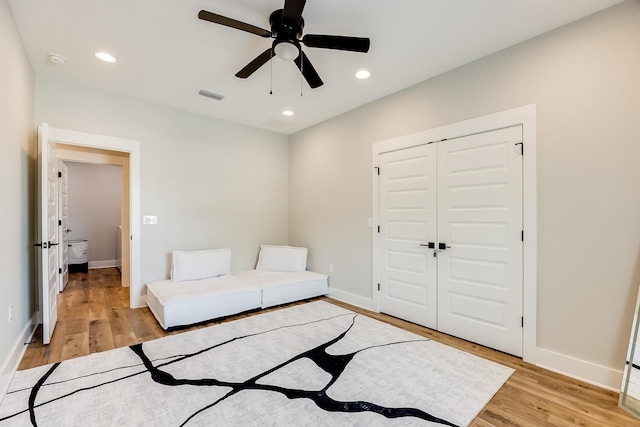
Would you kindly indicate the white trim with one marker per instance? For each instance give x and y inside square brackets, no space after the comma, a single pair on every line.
[592,373]
[375,218]
[103,264]
[525,116]
[132,147]
[530,226]
[353,299]
[15,356]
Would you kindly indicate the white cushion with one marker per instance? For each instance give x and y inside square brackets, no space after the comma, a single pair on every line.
[197,265]
[282,258]
[281,287]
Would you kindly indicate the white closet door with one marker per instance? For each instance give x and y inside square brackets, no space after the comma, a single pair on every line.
[480,218]
[408,221]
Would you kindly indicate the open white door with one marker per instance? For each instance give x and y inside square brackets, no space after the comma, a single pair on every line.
[63,222]
[48,232]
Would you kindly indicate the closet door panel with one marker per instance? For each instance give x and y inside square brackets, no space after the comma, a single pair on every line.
[408,221]
[480,222]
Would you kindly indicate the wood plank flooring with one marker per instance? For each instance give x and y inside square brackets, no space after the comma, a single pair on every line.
[94,315]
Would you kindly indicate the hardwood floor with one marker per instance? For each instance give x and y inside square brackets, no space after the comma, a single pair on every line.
[94,315]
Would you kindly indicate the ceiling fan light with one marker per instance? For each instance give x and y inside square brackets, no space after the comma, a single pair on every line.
[286,51]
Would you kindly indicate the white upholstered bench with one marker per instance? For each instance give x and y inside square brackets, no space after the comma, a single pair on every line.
[201,287]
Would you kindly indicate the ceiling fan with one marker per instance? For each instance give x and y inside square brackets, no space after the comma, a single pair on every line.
[286,28]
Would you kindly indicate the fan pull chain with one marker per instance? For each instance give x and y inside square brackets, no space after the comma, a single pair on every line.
[271,67]
[301,71]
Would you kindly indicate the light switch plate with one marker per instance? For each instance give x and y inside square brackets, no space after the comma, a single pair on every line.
[149,219]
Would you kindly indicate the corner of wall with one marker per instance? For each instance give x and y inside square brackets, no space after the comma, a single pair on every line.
[579,369]
[353,299]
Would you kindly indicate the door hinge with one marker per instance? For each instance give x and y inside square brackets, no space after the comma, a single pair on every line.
[59,174]
[521,147]
[522,235]
[60,222]
[522,321]
[378,229]
[59,271]
[377,168]
[378,286]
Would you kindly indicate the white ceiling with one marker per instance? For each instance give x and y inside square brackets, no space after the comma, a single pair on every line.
[166,54]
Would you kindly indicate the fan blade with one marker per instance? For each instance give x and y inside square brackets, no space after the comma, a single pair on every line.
[228,22]
[253,66]
[353,44]
[292,11]
[310,74]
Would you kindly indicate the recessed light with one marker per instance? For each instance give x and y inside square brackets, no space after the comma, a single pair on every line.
[363,74]
[287,113]
[103,56]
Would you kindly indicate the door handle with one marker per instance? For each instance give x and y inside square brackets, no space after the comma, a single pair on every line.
[45,245]
[443,246]
[429,245]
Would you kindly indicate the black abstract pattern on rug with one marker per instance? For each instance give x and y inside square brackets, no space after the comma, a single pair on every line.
[334,365]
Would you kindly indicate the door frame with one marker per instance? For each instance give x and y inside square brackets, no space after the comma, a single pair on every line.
[132,148]
[525,116]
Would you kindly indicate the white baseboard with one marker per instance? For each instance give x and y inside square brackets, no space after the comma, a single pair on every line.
[589,372]
[15,356]
[353,299]
[592,373]
[103,264]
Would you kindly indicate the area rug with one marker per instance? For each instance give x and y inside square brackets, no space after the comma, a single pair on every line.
[315,364]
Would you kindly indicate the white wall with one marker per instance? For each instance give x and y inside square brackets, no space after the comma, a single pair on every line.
[584,80]
[211,183]
[17,172]
[95,209]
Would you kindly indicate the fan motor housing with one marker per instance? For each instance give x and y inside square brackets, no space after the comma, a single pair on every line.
[285,30]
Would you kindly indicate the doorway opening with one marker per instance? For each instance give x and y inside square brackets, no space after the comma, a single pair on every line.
[90,206]
[84,147]
[97,194]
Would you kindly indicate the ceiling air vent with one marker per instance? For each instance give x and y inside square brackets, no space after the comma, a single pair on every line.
[212,95]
